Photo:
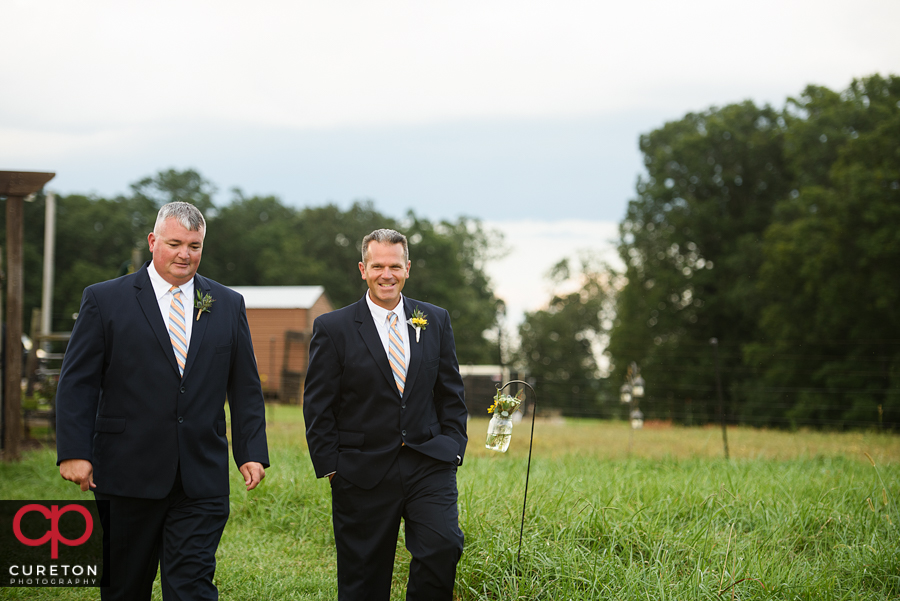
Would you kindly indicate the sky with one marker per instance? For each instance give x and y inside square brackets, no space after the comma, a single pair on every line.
[523,113]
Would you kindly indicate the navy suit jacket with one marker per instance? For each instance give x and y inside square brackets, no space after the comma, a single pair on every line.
[356,419]
[122,405]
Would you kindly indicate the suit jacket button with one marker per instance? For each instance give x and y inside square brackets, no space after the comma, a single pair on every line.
[403,433]
[182,390]
[180,420]
[403,406]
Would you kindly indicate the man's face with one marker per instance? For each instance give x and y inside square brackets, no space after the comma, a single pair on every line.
[385,272]
[176,251]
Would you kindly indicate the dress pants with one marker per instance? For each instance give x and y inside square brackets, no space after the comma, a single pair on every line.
[423,492]
[177,533]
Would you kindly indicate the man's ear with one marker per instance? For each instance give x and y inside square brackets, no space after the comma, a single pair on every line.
[362,270]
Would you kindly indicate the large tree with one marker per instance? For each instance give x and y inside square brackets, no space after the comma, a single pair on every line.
[830,272]
[776,233]
[691,242]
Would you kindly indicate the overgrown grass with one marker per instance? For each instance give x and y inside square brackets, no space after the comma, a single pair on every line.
[802,515]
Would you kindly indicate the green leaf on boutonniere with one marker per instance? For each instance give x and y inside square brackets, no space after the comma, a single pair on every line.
[203,303]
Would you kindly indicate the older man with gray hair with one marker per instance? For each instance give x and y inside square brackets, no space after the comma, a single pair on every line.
[141,413]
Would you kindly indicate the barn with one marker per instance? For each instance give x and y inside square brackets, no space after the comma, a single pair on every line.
[281,319]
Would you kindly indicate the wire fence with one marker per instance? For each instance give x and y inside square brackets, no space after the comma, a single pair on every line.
[826,384]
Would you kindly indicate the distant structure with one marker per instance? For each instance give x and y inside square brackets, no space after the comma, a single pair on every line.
[281,319]
[481,383]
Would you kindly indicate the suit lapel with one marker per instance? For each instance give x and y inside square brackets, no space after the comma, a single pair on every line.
[373,341]
[146,297]
[198,329]
[415,351]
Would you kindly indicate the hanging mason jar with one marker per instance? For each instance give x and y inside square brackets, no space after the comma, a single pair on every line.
[499,432]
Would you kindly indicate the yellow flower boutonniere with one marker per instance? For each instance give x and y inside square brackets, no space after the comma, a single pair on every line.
[418,321]
[203,303]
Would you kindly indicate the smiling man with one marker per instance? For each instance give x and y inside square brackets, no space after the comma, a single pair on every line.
[141,413]
[386,423]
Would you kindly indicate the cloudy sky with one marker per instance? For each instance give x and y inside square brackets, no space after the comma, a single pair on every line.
[523,113]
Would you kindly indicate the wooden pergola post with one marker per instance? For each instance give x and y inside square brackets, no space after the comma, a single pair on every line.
[15,186]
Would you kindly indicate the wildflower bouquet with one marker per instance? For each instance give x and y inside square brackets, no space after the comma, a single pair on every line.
[506,405]
[500,428]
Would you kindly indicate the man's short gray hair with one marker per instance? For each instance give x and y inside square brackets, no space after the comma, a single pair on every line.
[187,215]
[384,236]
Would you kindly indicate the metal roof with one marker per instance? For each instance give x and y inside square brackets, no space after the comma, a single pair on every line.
[279,297]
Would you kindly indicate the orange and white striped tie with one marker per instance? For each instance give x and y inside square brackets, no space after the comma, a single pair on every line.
[396,356]
[177,330]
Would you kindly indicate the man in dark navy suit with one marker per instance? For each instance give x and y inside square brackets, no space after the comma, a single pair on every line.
[141,413]
[386,422]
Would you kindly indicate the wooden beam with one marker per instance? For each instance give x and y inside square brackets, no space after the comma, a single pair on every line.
[13,385]
[23,183]
[15,185]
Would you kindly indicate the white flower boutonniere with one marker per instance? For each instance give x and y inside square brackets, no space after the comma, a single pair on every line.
[418,321]
[203,303]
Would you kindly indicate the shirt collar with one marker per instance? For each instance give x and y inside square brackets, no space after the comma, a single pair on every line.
[379,314]
[161,287]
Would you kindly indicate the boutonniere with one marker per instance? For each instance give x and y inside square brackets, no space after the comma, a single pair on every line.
[203,303]
[418,321]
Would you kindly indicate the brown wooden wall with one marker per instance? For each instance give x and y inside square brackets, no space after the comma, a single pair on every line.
[267,330]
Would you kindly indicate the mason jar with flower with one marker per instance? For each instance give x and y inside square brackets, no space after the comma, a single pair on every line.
[499,430]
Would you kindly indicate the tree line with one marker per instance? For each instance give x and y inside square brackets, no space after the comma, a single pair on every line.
[260,241]
[774,231]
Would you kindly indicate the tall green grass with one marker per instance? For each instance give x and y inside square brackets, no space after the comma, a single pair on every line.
[802,515]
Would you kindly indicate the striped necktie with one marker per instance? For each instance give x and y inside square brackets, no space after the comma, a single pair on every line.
[395,353]
[177,331]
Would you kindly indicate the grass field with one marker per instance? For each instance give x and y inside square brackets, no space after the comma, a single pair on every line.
[792,515]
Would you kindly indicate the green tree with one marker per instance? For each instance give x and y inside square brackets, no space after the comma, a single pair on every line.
[691,242]
[248,243]
[329,240]
[94,238]
[829,277]
[558,344]
[171,185]
[447,269]
[258,241]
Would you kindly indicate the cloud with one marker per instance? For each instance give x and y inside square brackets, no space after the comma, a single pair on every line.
[348,63]
[520,278]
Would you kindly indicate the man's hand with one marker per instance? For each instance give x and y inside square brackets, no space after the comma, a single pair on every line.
[79,471]
[253,473]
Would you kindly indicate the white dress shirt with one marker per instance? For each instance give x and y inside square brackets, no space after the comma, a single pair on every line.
[383,325]
[164,298]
